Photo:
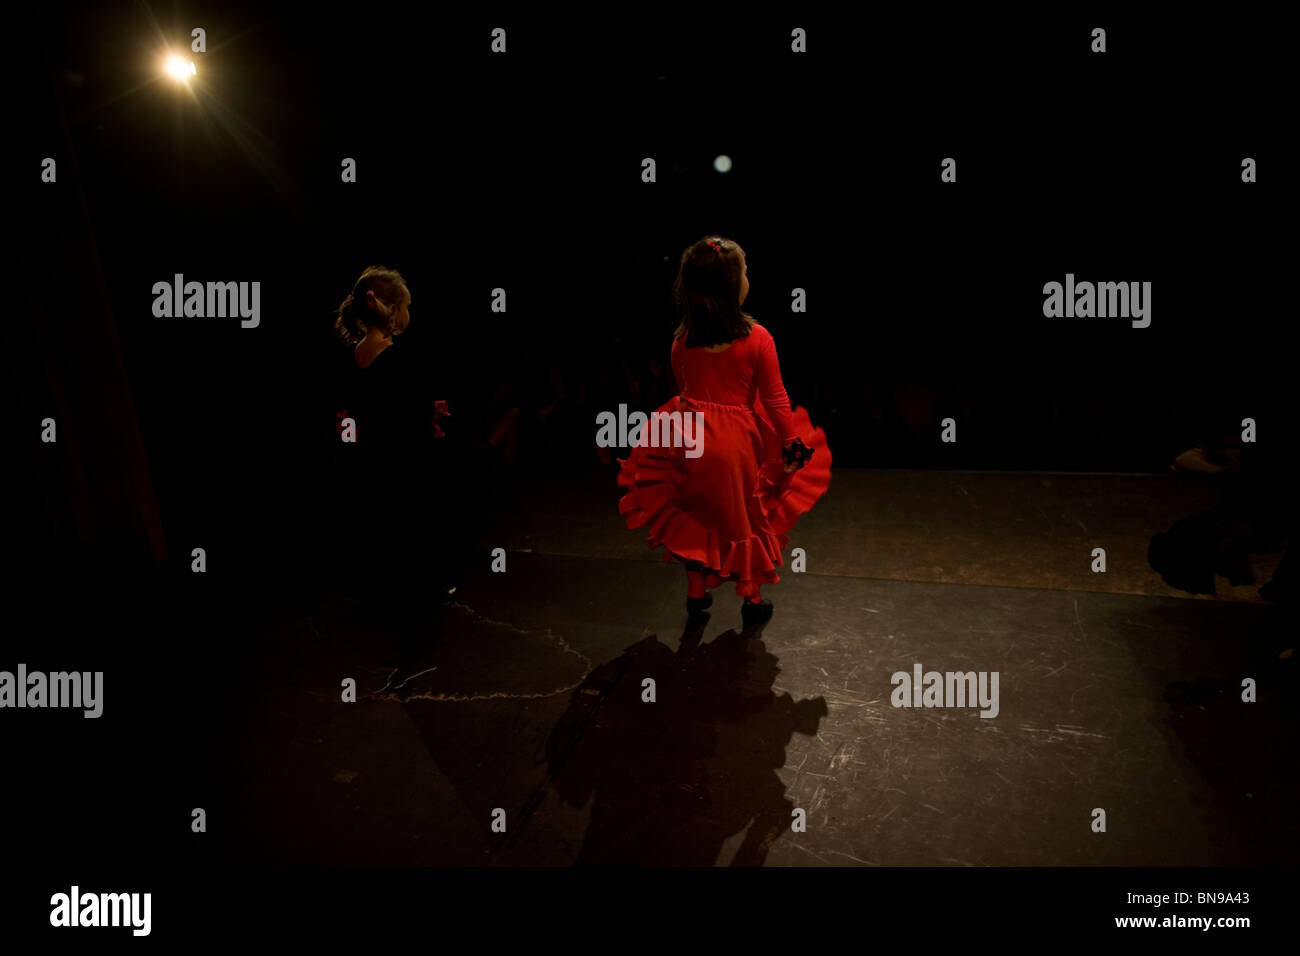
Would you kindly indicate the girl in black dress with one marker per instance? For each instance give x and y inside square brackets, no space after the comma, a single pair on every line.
[390,435]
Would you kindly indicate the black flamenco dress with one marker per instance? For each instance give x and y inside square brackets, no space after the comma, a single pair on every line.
[395,473]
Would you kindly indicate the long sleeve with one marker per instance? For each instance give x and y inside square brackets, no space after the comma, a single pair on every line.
[772,390]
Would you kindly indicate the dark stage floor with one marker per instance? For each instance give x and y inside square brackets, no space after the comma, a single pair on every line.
[1115,692]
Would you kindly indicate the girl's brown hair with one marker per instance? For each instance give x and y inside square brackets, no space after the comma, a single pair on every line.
[707,293]
[353,316]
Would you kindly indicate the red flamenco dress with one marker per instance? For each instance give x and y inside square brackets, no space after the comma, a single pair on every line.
[726,512]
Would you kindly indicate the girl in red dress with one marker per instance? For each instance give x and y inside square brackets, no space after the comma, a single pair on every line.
[723,501]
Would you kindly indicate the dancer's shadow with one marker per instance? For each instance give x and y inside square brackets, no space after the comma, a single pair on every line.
[672,779]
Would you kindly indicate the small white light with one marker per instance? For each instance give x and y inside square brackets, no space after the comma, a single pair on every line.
[722,164]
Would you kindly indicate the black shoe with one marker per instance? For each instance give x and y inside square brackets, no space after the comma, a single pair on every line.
[754,614]
[695,606]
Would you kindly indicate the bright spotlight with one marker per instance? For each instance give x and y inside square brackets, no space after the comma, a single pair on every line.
[180,68]
[722,164]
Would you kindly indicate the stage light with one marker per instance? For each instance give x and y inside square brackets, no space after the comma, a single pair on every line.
[180,69]
[722,164]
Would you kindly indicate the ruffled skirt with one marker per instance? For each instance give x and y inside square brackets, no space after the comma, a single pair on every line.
[727,511]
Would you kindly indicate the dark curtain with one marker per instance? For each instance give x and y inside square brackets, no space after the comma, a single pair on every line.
[88,497]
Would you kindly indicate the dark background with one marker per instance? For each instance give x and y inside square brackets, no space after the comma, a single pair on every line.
[523,171]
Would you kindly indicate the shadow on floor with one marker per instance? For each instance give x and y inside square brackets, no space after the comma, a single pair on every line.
[672,778]
[671,770]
